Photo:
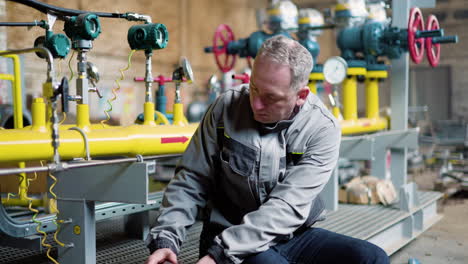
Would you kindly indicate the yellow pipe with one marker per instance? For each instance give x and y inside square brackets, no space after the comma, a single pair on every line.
[372,98]
[179,118]
[23,182]
[47,93]
[336,112]
[15,78]
[38,115]
[350,98]
[82,117]
[363,125]
[313,87]
[372,92]
[148,113]
[23,202]
[315,77]
[350,93]
[7,77]
[28,144]
[17,92]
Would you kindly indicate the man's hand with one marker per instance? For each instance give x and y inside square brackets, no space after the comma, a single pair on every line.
[206,260]
[161,255]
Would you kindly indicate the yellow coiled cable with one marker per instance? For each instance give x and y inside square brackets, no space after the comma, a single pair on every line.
[55,209]
[114,91]
[69,66]
[63,118]
[39,223]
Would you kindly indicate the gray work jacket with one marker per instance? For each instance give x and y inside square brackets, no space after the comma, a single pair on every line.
[261,183]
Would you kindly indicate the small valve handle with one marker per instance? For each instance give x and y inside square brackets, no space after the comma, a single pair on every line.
[63,91]
[96,90]
[244,77]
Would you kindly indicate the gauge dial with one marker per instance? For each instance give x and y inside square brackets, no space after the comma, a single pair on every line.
[335,70]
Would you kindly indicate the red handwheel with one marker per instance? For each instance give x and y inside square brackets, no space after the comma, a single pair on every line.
[415,45]
[432,50]
[223,35]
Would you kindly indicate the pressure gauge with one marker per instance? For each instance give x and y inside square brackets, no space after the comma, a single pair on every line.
[335,70]
[188,73]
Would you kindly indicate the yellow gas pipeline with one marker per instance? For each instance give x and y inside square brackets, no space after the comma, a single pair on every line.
[32,144]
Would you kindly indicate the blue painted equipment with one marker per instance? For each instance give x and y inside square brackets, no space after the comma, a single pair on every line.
[375,38]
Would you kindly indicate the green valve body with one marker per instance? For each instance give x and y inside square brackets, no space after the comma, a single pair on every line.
[148,37]
[58,44]
[83,27]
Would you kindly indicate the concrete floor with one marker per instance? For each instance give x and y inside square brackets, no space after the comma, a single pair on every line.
[445,242]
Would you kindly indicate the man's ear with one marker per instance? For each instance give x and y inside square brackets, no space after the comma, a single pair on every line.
[302,95]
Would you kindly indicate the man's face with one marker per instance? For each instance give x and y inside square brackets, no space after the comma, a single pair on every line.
[271,97]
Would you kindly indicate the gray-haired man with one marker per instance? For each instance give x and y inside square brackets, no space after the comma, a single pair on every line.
[256,164]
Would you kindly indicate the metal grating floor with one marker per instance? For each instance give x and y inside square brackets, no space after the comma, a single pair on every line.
[113,247]
[363,221]
[360,221]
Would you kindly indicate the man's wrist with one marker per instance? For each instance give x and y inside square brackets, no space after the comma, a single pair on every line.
[159,243]
[217,253]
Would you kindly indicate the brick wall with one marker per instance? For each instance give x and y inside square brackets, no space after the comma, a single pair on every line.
[191,25]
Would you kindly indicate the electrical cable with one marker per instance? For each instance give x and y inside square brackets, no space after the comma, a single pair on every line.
[62,12]
[114,91]
[55,209]
[39,224]
[63,118]
[69,66]
[23,24]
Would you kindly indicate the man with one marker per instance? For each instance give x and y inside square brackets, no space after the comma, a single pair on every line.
[256,166]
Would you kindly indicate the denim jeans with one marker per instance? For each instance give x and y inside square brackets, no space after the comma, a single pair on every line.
[317,245]
[314,245]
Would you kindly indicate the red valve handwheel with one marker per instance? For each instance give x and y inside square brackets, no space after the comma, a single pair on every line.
[432,50]
[223,35]
[415,45]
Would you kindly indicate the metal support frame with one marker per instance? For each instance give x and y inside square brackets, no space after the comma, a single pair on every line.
[399,95]
[78,232]
[417,211]
[78,189]
[22,234]
[371,147]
